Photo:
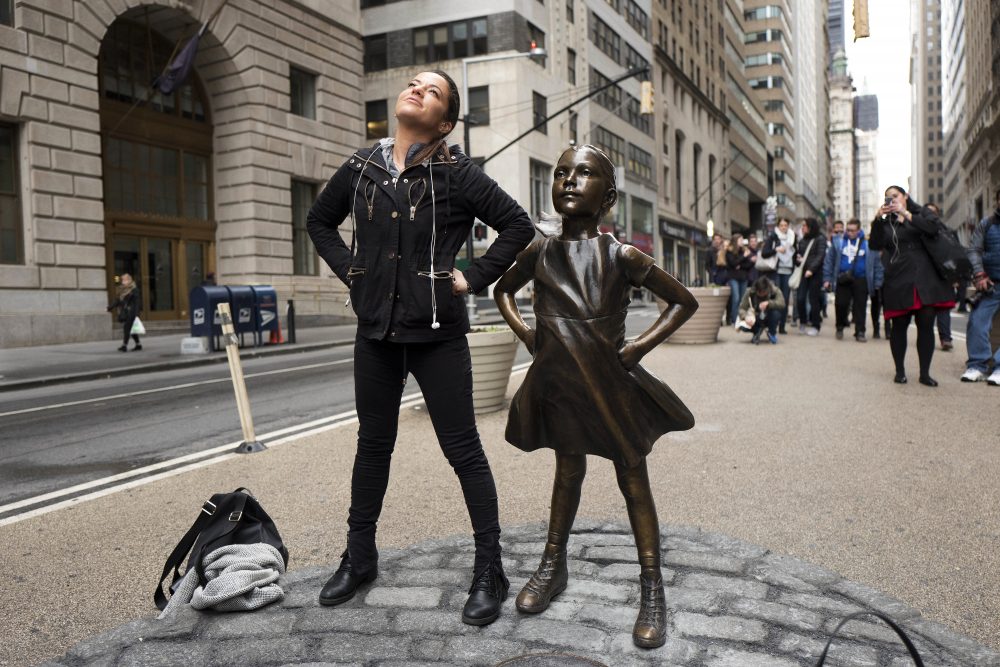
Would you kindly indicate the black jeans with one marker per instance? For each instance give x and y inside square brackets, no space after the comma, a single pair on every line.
[852,297]
[811,290]
[127,332]
[769,320]
[444,371]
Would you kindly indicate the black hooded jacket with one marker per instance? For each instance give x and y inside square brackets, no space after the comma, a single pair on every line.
[907,265]
[397,220]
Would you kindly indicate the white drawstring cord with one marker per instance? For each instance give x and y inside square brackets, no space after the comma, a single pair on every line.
[434,306]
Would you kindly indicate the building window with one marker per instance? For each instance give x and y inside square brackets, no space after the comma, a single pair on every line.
[6,12]
[450,40]
[11,250]
[615,4]
[610,143]
[180,178]
[376,53]
[633,60]
[640,163]
[479,105]
[606,39]
[376,119]
[678,152]
[611,97]
[572,127]
[541,187]
[763,36]
[303,252]
[539,111]
[570,13]
[642,225]
[303,93]
[571,66]
[637,18]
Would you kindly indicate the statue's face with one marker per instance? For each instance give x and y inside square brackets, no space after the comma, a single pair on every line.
[580,187]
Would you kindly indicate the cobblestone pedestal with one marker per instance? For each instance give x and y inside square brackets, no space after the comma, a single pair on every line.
[730,603]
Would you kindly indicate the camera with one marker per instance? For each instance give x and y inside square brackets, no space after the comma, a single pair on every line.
[888,201]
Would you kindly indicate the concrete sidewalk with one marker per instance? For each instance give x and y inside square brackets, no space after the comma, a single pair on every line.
[805,449]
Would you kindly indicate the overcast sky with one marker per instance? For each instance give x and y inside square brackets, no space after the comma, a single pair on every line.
[880,65]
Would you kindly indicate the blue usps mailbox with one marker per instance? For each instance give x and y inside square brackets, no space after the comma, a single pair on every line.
[241,301]
[204,316]
[266,306]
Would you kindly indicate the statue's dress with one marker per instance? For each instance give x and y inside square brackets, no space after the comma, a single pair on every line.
[577,397]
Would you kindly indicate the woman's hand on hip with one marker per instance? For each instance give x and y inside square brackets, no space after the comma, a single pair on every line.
[459,284]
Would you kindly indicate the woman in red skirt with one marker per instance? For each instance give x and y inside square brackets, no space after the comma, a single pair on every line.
[913,290]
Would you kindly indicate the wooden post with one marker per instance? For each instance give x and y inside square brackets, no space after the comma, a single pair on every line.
[250,443]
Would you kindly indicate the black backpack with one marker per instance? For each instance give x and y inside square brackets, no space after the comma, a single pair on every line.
[227,518]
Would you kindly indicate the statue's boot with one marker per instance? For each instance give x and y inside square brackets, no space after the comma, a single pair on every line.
[548,581]
[650,630]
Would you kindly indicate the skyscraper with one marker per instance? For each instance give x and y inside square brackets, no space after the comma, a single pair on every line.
[835,29]
[927,172]
[842,139]
[866,112]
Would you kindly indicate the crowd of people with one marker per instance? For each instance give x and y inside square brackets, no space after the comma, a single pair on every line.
[887,275]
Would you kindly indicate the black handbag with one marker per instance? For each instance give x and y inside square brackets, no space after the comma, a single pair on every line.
[914,654]
[226,518]
[949,257]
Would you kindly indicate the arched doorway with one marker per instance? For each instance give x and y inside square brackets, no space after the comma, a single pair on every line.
[157,153]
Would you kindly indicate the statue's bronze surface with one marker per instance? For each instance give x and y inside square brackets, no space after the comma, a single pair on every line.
[585,392]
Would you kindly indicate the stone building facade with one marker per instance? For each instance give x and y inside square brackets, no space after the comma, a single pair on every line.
[842,150]
[99,175]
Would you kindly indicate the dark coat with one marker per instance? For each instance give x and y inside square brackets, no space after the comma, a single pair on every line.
[128,306]
[738,265]
[389,274]
[814,261]
[906,262]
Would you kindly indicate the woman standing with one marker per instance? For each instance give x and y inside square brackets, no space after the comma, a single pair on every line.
[783,241]
[412,201]
[912,288]
[810,253]
[738,263]
[129,304]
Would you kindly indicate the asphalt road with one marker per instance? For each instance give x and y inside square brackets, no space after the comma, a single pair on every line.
[60,436]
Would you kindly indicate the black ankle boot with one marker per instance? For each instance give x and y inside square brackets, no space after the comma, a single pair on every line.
[486,595]
[344,583]
[548,581]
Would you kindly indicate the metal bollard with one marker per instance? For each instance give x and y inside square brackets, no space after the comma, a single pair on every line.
[290,321]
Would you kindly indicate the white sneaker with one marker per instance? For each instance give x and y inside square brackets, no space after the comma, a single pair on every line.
[812,331]
[994,378]
[974,375]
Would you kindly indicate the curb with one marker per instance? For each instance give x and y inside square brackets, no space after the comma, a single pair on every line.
[213,358]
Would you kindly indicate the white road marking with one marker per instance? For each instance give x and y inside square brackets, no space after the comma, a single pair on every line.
[186,385]
[210,457]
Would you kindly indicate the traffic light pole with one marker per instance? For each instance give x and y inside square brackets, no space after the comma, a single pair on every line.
[541,123]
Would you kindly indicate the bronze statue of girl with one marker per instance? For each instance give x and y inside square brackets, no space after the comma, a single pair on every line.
[585,392]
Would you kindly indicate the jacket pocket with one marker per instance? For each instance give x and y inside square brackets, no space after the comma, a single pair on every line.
[418,305]
[356,275]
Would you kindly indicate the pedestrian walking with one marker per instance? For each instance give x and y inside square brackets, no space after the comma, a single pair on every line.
[585,393]
[913,290]
[943,314]
[128,301]
[738,263]
[845,269]
[753,246]
[412,200]
[875,276]
[782,239]
[984,253]
[761,308]
[810,253]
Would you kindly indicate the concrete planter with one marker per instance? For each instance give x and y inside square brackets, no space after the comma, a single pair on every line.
[703,327]
[492,351]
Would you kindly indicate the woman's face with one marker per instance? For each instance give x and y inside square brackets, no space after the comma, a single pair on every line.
[580,187]
[126,279]
[423,104]
[783,226]
[898,198]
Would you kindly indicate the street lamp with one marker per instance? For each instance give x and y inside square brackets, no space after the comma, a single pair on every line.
[535,51]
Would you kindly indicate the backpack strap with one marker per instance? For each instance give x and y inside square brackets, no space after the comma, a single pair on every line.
[176,557]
